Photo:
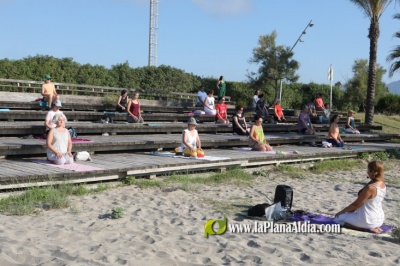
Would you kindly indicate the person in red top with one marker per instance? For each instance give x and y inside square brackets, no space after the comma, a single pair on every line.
[133,108]
[319,103]
[278,113]
[221,117]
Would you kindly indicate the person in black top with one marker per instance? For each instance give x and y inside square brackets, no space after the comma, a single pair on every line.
[122,101]
[239,124]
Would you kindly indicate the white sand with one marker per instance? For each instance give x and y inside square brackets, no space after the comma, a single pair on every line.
[167,227]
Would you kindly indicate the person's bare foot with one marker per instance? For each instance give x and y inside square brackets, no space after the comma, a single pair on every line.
[376,230]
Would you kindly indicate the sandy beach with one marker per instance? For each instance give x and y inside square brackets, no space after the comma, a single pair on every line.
[166,226]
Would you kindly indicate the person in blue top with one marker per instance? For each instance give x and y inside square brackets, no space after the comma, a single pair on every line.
[351,124]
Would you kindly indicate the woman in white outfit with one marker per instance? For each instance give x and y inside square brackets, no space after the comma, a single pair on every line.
[209,106]
[59,144]
[190,137]
[366,213]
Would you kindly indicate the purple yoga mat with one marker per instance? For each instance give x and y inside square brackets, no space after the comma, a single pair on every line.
[322,219]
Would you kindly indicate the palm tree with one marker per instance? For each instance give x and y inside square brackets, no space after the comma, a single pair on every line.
[373,9]
[395,54]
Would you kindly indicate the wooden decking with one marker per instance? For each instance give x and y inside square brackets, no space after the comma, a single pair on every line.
[10,146]
[127,149]
[23,172]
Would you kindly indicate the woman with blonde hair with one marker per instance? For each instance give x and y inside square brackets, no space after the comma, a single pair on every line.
[351,124]
[59,144]
[366,213]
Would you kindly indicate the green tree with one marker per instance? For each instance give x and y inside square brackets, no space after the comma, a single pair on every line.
[395,53]
[275,62]
[373,9]
[357,86]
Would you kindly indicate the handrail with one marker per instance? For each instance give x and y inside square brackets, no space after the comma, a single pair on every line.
[91,88]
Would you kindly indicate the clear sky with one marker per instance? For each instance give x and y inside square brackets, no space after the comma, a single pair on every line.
[208,38]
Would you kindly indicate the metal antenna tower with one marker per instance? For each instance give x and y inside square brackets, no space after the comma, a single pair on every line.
[153,32]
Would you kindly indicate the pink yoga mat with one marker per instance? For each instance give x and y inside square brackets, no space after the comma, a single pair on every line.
[73,167]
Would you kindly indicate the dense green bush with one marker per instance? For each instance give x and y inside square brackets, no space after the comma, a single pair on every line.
[389,104]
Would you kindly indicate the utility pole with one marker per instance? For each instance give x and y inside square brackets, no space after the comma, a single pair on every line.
[153,32]
[310,24]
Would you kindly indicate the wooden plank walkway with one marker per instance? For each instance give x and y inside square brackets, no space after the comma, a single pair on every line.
[19,146]
[24,128]
[23,172]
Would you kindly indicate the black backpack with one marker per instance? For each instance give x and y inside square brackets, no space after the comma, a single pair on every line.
[258,210]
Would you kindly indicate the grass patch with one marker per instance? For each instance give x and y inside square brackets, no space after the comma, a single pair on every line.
[36,199]
[188,182]
[235,175]
[335,165]
[390,124]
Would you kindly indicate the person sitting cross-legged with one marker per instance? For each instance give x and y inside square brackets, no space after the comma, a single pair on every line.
[258,141]
[59,144]
[222,116]
[366,213]
[334,134]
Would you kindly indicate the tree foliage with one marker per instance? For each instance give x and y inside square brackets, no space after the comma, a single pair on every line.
[357,86]
[275,64]
[395,53]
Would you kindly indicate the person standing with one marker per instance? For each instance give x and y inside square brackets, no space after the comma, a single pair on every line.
[49,91]
[221,86]
[201,96]
[55,109]
[255,99]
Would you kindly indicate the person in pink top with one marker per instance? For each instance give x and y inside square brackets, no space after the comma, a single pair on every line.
[222,116]
[319,103]
[133,108]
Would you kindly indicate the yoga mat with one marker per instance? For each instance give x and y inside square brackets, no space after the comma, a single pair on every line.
[249,149]
[274,152]
[153,124]
[74,140]
[73,167]
[323,219]
[205,158]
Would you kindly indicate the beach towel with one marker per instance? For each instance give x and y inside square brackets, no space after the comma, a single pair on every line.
[73,167]
[205,158]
